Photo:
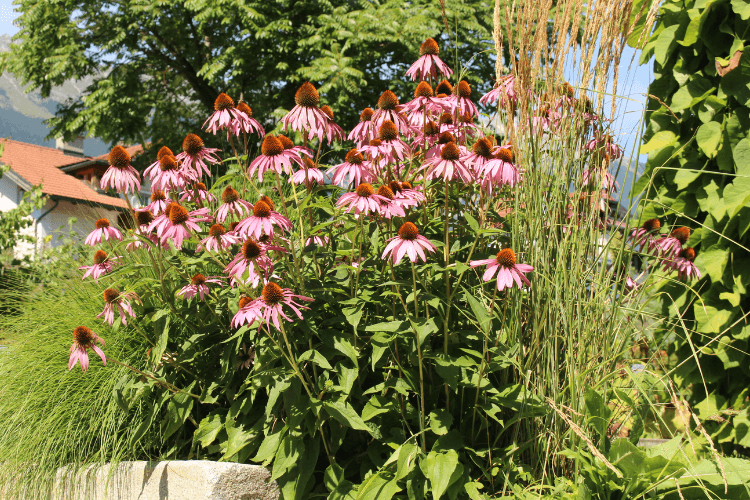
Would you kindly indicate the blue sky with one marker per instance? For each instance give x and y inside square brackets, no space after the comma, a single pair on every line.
[7,14]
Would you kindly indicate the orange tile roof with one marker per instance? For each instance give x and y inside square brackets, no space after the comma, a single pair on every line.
[39,165]
[132,151]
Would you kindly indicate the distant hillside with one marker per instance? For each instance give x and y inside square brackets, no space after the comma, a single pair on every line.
[21,114]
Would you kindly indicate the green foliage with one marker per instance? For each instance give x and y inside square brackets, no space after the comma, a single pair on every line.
[698,174]
[147,59]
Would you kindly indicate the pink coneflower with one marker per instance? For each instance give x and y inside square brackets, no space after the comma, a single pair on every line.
[159,202]
[424,103]
[198,287]
[168,177]
[448,166]
[161,222]
[102,232]
[389,209]
[604,146]
[670,246]
[355,170]
[252,258]
[364,132]
[502,171]
[599,177]
[334,132]
[198,193]
[232,205]
[480,154]
[102,265]
[363,200]
[262,221]
[245,357]
[182,223]
[143,218]
[308,176]
[428,64]
[274,157]
[465,129]
[404,197]
[507,269]
[245,121]
[120,175]
[150,171]
[306,116]
[83,340]
[443,139]
[194,157]
[390,110]
[317,240]
[387,146]
[427,135]
[407,242]
[113,299]
[460,102]
[291,149]
[683,264]
[268,307]
[504,91]
[218,239]
[644,236]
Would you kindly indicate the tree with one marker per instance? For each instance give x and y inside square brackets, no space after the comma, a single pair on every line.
[148,58]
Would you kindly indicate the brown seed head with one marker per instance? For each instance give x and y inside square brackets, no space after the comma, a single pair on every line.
[354,157]
[688,253]
[431,128]
[223,102]
[385,191]
[198,279]
[388,101]
[506,257]
[230,195]
[168,162]
[375,143]
[423,90]
[567,90]
[245,108]
[463,89]
[446,137]
[327,110]
[430,47]
[681,234]
[217,230]
[652,225]
[244,301]
[307,96]
[309,163]
[271,146]
[450,152]
[506,154]
[285,141]
[168,209]
[406,185]
[395,187]
[388,131]
[178,214]
[261,209]
[144,217]
[192,144]
[366,115]
[446,118]
[110,295]
[100,256]
[444,87]
[158,196]
[233,225]
[200,186]
[118,157]
[466,118]
[365,190]
[272,294]
[408,231]
[101,223]
[268,201]
[164,151]
[441,95]
[483,147]
[83,336]
[251,250]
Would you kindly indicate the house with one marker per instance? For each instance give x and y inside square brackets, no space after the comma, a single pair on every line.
[70,182]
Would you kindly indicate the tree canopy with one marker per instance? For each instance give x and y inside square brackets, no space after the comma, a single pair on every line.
[151,57]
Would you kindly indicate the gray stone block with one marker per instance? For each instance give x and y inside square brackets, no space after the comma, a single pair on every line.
[171,480]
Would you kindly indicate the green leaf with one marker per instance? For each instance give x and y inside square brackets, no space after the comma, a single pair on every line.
[209,428]
[388,326]
[317,358]
[660,140]
[708,138]
[472,489]
[345,414]
[407,459]
[287,455]
[665,43]
[378,487]
[440,421]
[473,224]
[439,469]
[713,262]
[741,8]
[161,343]
[178,410]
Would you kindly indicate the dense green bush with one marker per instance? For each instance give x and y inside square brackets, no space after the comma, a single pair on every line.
[698,174]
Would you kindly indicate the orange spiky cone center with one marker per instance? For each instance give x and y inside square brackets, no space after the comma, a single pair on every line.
[268,201]
[200,186]
[483,147]
[327,110]
[223,102]
[110,295]
[244,301]
[158,196]
[375,142]
[286,142]
[423,90]
[395,187]
[450,152]
[192,144]
[168,162]
[506,257]
[251,250]
[408,231]
[463,89]
[431,128]
[271,146]
[178,214]
[229,195]
[446,119]
[385,191]
[688,253]
[429,47]
[388,131]
[272,294]
[307,96]
[446,137]
[217,230]
[100,256]
[388,101]
[198,279]
[354,157]
[652,225]
[444,87]
[681,234]
[406,185]
[245,108]
[144,217]
[164,151]
[365,190]
[101,223]
[506,154]
[366,115]
[83,336]
[261,209]
[118,157]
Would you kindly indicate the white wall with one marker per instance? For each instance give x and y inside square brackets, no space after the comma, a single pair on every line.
[8,194]
[49,229]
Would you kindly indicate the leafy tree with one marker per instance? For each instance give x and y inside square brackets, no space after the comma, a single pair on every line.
[698,174]
[149,58]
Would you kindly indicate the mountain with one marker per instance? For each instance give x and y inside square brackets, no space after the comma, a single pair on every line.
[22,115]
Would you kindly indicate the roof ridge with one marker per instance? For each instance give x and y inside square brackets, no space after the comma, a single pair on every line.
[5,139]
